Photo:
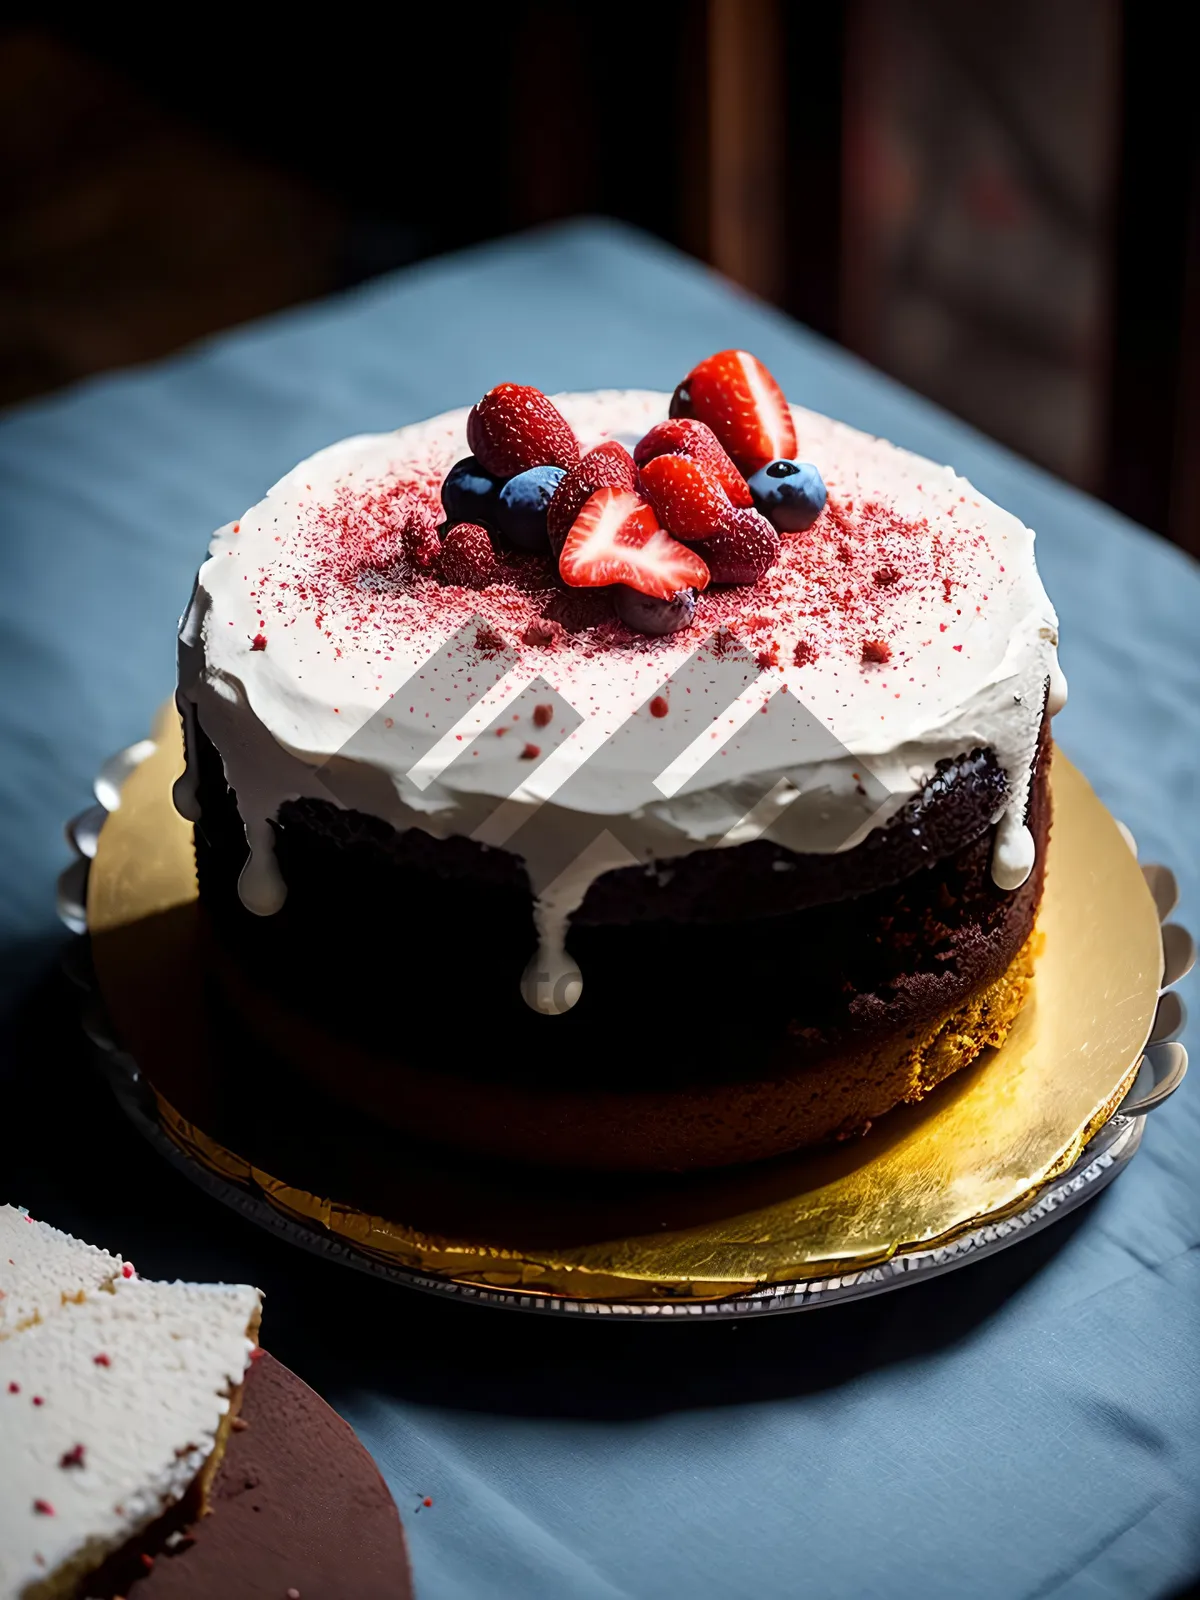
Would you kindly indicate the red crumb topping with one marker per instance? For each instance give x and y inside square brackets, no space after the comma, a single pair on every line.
[543,716]
[659,706]
[72,1458]
[259,642]
[531,752]
[877,650]
[541,633]
[102,1360]
[489,641]
[43,1508]
[357,576]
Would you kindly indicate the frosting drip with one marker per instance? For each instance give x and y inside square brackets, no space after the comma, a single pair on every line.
[910,622]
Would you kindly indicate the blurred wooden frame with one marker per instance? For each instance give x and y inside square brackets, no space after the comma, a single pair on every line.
[746,135]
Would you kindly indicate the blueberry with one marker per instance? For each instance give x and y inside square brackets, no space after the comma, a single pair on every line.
[521,508]
[681,401]
[470,493]
[645,614]
[791,494]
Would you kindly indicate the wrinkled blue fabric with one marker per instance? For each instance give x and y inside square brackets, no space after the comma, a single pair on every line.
[1029,1426]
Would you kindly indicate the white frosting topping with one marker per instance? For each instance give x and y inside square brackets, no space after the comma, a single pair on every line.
[42,1269]
[147,1418]
[910,622]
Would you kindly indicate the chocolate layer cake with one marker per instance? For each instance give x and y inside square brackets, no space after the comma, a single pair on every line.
[633,815]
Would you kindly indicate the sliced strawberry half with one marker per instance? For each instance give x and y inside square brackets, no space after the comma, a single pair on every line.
[514,427]
[616,539]
[743,405]
[684,436]
[608,466]
[690,502]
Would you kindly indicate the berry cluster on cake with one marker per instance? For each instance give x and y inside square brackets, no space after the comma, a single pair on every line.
[622,779]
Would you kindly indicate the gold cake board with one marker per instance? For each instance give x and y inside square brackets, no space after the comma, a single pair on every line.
[993,1151]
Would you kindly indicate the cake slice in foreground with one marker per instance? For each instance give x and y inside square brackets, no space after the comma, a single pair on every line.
[112,1412]
[41,1270]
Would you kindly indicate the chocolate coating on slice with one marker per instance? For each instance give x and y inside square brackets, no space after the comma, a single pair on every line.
[297,1504]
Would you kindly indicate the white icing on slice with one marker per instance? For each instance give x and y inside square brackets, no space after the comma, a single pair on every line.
[132,1385]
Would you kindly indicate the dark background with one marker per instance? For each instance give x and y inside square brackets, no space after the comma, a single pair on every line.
[996,202]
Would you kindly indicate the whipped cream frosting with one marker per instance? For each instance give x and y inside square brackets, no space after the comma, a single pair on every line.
[909,623]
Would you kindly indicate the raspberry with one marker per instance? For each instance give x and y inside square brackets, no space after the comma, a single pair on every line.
[467,556]
[419,536]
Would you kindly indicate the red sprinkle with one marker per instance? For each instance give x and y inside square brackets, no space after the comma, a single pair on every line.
[14,1388]
[38,1401]
[877,650]
[102,1360]
[531,752]
[72,1458]
[659,706]
[543,716]
[43,1508]
[804,653]
[427,1501]
[127,1270]
[147,1561]
[259,642]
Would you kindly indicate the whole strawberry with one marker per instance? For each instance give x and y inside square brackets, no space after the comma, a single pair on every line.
[684,436]
[690,502]
[607,466]
[514,427]
[744,552]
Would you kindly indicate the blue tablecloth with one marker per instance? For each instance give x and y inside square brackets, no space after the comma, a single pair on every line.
[1027,1427]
